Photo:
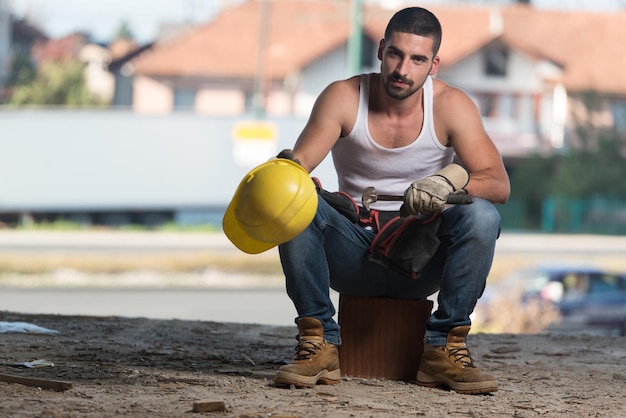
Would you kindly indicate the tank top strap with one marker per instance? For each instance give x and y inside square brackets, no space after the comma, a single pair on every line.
[429,121]
[360,125]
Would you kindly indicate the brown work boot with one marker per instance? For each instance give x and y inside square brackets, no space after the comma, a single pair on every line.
[315,361]
[451,365]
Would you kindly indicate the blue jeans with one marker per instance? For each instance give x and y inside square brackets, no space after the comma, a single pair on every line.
[332,253]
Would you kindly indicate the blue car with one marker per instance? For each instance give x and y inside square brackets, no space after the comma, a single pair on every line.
[588,299]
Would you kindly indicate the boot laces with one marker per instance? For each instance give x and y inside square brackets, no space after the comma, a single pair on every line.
[461,355]
[307,348]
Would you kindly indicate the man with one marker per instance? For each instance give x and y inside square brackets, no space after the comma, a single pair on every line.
[397,130]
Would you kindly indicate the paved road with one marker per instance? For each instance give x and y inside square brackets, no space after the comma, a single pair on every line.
[267,306]
[142,294]
[107,241]
[45,241]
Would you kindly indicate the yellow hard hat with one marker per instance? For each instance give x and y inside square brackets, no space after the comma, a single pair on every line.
[273,204]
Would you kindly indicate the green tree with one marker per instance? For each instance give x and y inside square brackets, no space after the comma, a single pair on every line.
[531,182]
[595,169]
[594,165]
[54,83]
[124,31]
[22,71]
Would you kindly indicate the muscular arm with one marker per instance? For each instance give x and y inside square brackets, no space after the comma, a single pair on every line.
[473,147]
[332,115]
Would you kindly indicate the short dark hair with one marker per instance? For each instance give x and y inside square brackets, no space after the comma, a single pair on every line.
[418,21]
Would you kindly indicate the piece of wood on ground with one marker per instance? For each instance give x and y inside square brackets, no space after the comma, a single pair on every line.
[57,385]
[208,406]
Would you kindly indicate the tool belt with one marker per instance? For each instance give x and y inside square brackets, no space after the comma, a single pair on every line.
[403,244]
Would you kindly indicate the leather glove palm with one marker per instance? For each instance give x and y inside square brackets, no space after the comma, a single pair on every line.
[430,194]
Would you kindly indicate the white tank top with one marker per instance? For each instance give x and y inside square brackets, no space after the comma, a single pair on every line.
[361,162]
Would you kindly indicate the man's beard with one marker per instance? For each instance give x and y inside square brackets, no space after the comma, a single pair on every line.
[398,92]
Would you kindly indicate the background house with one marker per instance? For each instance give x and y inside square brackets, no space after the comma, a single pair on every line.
[192,112]
[528,78]
[121,70]
[16,39]
[271,56]
[5,40]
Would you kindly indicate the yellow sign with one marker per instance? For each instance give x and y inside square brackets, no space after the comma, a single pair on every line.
[254,142]
[256,130]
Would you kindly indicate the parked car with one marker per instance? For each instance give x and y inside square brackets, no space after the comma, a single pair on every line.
[588,299]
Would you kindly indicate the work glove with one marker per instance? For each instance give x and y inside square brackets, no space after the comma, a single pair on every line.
[288,155]
[431,193]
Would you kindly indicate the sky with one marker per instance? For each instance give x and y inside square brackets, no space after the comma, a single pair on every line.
[102,18]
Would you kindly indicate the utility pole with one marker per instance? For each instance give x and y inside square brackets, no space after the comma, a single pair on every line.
[355,41]
[258,98]
[5,40]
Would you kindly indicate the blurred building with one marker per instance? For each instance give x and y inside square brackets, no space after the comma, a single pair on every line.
[121,70]
[16,40]
[5,40]
[528,70]
[100,71]
[175,156]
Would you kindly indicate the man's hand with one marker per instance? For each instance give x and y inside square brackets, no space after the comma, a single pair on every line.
[430,194]
[288,155]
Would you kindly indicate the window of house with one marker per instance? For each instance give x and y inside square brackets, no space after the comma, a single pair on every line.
[496,61]
[488,104]
[255,102]
[506,106]
[249,100]
[184,99]
[618,109]
[525,109]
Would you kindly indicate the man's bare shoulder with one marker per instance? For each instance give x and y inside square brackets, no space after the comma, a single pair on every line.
[444,92]
[339,102]
[346,88]
[451,104]
[456,115]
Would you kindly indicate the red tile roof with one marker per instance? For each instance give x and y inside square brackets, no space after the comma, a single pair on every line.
[590,47]
[61,49]
[297,33]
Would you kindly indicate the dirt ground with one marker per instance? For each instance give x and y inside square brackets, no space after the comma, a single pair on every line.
[160,368]
[138,367]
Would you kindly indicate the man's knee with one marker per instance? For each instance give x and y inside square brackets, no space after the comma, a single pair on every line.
[485,214]
[480,218]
